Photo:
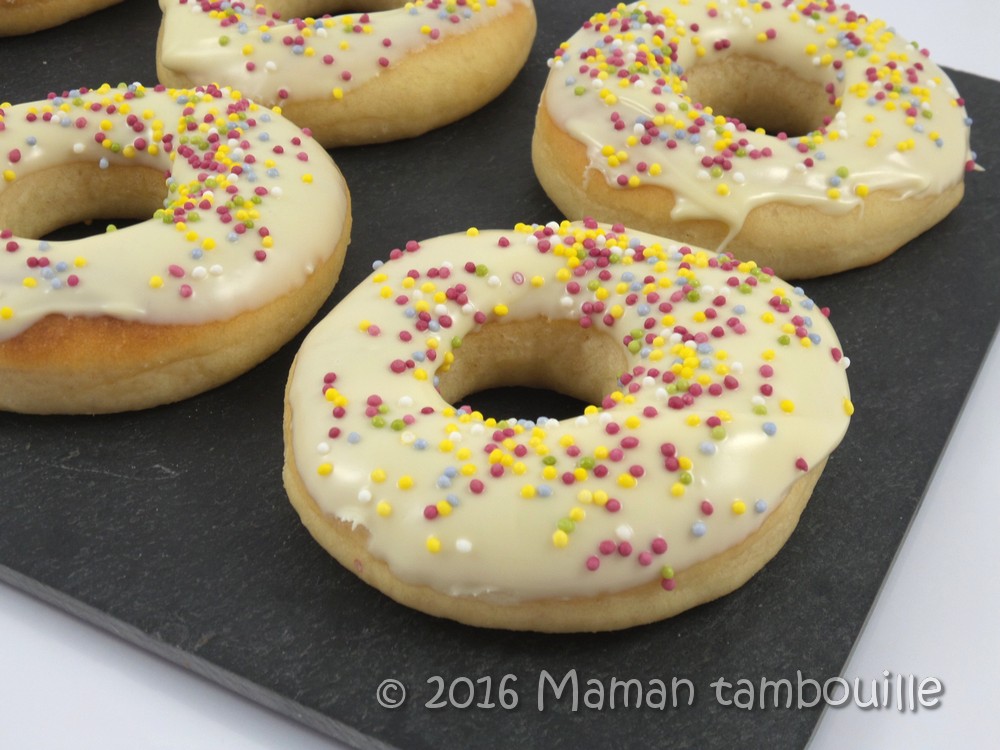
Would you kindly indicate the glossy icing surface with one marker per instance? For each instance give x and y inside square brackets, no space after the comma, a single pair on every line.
[252,205]
[735,386]
[274,60]
[895,121]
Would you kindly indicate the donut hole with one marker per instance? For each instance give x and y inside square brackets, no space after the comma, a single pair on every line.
[555,366]
[288,9]
[64,202]
[762,94]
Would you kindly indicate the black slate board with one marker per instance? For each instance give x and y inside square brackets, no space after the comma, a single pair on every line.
[170,527]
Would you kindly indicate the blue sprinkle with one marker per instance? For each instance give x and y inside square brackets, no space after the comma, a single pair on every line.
[740,310]
[103,164]
[453,499]
[770,429]
[197,253]
[760,506]
[544,491]
[698,528]
[451,472]
[707,448]
[354,438]
[420,444]
[31,140]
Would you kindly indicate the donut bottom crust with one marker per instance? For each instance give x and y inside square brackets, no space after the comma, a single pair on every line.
[428,89]
[696,585]
[102,364]
[795,241]
[27,16]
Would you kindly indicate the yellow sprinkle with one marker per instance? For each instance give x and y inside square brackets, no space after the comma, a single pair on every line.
[6,313]
[338,93]
[156,282]
[848,407]
[325,470]
[560,538]
[861,190]
[8,175]
[405,482]
[739,507]
[537,281]
[307,178]
[627,481]
[787,406]
[378,476]
[500,310]
[677,489]
[433,545]
[528,491]
[443,508]
[383,508]
[472,232]
[29,282]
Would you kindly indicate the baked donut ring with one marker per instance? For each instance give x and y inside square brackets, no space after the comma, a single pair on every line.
[27,16]
[250,219]
[396,72]
[801,135]
[717,394]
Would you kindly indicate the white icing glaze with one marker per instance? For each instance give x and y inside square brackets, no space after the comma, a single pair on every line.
[241,45]
[502,538]
[203,257]
[905,130]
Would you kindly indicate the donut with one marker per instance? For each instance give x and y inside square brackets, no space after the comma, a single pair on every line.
[27,16]
[801,135]
[398,71]
[715,394]
[244,224]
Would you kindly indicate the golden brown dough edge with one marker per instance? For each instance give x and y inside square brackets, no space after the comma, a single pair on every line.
[428,89]
[772,234]
[98,365]
[27,16]
[696,585]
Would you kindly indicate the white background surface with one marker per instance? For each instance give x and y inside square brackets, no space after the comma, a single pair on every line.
[66,684]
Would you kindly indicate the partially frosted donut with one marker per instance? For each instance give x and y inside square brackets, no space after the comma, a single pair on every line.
[27,16]
[247,222]
[802,135]
[395,71]
[717,392]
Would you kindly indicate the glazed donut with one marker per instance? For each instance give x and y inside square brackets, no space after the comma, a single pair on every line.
[801,135]
[27,16]
[246,239]
[717,394]
[396,72]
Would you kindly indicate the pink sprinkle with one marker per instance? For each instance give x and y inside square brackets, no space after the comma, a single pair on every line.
[668,584]
[185,292]
[593,562]
[801,465]
[607,547]
[659,545]
[72,279]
